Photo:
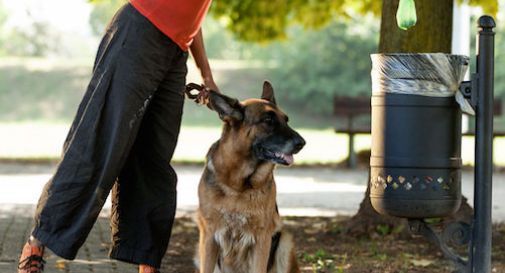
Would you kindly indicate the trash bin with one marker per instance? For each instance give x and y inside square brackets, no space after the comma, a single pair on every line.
[416,134]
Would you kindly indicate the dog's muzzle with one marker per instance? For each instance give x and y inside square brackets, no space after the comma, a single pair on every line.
[279,153]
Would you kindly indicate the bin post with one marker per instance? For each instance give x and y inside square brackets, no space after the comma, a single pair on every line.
[480,93]
[482,226]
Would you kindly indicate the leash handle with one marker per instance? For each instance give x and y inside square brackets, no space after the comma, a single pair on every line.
[201,96]
[193,86]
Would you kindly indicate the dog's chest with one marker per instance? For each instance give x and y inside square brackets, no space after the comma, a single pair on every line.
[235,233]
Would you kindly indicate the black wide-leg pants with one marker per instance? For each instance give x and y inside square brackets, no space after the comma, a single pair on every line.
[122,139]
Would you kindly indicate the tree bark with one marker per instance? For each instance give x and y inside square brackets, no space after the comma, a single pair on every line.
[432,33]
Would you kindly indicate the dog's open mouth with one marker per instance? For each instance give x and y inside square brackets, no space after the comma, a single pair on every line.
[278,157]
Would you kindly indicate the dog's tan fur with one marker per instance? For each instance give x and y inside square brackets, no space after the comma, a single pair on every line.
[237,216]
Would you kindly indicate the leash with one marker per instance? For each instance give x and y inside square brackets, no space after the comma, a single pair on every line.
[191,87]
[199,93]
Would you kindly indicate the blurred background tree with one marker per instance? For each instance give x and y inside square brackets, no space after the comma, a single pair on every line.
[101,14]
[310,44]
[3,18]
[36,39]
[318,49]
[264,21]
[318,64]
[310,50]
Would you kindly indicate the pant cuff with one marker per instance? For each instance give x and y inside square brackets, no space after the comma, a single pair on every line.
[59,248]
[134,256]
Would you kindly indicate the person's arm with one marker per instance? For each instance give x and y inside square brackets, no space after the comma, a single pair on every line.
[197,50]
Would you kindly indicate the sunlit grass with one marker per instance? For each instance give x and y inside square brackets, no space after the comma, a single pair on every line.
[44,140]
[30,140]
[39,98]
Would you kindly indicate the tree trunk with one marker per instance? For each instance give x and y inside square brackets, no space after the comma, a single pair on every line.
[432,33]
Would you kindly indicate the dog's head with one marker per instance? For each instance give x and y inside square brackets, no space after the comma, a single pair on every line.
[259,125]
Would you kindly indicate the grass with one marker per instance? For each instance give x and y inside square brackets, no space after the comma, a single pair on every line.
[38,140]
[41,140]
[39,97]
[45,90]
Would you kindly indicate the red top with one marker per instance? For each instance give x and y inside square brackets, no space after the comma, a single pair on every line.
[178,19]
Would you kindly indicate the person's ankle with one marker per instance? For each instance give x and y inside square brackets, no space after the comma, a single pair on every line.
[34,242]
[144,268]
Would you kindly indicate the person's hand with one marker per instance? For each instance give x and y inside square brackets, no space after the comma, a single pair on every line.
[210,84]
[203,96]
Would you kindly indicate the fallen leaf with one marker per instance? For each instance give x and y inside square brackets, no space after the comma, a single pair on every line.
[61,264]
[422,262]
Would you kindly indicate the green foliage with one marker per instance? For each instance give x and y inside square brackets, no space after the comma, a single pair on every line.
[221,44]
[383,230]
[377,253]
[499,78]
[3,18]
[323,262]
[488,6]
[312,66]
[34,89]
[102,13]
[263,20]
[317,65]
[3,15]
[36,40]
[499,73]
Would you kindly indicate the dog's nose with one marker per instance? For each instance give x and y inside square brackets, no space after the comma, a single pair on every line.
[298,144]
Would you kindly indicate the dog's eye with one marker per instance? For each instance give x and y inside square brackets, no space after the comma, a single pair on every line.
[269,119]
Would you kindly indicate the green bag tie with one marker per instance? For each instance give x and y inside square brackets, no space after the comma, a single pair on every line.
[406,14]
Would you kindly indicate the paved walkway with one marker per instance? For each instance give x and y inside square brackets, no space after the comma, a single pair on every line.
[15,224]
[302,192]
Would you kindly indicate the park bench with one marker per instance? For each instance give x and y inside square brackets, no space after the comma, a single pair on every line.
[349,109]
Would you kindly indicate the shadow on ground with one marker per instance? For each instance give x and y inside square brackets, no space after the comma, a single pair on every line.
[322,247]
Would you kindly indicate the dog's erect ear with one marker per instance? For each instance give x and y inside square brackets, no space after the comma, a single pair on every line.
[268,92]
[229,109]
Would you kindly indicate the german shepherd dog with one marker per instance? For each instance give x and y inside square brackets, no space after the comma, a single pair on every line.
[239,223]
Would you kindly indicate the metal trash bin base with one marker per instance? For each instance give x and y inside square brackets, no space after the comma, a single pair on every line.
[415,209]
[403,192]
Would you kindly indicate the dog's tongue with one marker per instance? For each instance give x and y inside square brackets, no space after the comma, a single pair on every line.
[289,159]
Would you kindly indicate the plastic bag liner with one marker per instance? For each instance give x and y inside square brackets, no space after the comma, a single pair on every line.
[425,74]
